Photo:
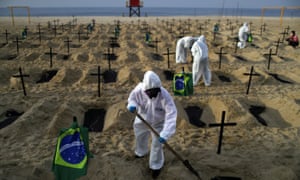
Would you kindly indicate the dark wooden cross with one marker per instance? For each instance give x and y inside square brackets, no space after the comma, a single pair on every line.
[55,29]
[6,36]
[51,56]
[277,46]
[231,28]
[98,74]
[62,27]
[284,33]
[17,41]
[108,55]
[236,43]
[79,33]
[189,24]
[156,45]
[250,78]
[215,34]
[200,28]
[39,28]
[220,56]
[269,58]
[221,129]
[168,54]
[21,75]
[68,45]
[264,27]
[182,32]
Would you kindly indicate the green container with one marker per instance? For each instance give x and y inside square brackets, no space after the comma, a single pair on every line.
[183,84]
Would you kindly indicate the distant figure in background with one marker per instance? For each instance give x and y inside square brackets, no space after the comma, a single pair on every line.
[243,35]
[24,32]
[147,37]
[200,63]
[293,40]
[216,28]
[183,45]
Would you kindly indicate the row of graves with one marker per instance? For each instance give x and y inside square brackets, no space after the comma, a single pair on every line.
[53,30]
[94,118]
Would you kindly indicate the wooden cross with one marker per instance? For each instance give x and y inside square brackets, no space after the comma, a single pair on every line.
[21,75]
[236,43]
[215,33]
[285,32]
[220,56]
[250,78]
[79,33]
[98,74]
[6,36]
[189,24]
[17,41]
[200,28]
[221,129]
[108,55]
[171,27]
[261,30]
[264,27]
[156,44]
[169,53]
[68,45]
[54,30]
[113,43]
[269,59]
[51,55]
[277,46]
[182,33]
[40,37]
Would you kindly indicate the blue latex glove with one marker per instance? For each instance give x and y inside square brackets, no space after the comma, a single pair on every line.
[162,140]
[132,109]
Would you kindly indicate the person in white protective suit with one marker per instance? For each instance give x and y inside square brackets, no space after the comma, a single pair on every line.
[243,35]
[183,45]
[200,63]
[154,103]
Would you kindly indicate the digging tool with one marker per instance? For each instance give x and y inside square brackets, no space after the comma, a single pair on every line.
[185,162]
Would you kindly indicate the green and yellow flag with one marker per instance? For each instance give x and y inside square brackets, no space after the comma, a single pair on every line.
[71,154]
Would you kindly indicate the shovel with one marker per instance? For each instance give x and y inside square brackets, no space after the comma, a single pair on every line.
[185,162]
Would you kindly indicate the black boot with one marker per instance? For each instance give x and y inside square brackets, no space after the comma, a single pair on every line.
[155,173]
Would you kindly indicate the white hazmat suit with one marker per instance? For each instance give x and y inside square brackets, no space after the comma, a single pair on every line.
[183,45]
[160,112]
[200,63]
[243,35]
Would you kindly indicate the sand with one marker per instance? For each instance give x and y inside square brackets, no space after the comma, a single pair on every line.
[250,150]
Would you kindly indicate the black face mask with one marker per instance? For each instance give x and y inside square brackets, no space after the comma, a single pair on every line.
[152,93]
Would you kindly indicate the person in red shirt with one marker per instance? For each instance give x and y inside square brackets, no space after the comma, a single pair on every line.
[293,39]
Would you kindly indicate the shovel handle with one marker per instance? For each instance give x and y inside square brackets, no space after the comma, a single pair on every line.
[157,134]
[185,162]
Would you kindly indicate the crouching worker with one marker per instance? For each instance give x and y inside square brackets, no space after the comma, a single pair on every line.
[293,39]
[183,45]
[154,103]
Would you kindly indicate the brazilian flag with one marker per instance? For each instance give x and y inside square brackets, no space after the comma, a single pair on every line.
[72,152]
[183,84]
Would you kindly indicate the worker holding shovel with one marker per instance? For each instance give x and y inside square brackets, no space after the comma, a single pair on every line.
[150,101]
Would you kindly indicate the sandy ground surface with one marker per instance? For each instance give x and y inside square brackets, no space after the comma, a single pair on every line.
[250,150]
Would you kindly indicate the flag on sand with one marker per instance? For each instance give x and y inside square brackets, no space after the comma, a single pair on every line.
[71,153]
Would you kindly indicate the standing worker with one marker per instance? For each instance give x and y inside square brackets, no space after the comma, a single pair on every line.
[243,35]
[156,106]
[200,63]
[183,45]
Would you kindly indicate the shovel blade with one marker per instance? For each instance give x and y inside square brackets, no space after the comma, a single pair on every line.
[189,166]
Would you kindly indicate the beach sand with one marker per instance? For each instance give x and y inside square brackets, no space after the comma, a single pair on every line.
[250,150]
